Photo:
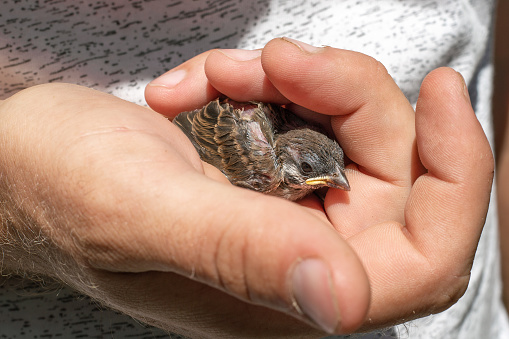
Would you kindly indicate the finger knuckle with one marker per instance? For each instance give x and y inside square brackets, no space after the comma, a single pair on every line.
[230,260]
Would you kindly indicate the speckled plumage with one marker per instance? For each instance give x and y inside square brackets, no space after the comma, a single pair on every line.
[264,147]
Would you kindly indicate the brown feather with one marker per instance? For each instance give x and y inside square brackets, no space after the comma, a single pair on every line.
[238,141]
[264,147]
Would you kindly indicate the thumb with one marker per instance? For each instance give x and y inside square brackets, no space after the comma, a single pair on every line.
[274,253]
[260,249]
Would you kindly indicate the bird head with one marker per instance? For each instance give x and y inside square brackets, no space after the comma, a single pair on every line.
[310,160]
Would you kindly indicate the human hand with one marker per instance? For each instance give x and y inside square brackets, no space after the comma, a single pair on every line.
[420,180]
[112,199]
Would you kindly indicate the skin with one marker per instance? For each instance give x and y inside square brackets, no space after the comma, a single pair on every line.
[116,202]
[407,216]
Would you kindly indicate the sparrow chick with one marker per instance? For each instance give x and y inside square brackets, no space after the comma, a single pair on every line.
[265,148]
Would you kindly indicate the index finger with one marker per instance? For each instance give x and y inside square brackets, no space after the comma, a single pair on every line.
[372,119]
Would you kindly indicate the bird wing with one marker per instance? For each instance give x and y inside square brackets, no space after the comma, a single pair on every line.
[238,141]
[185,122]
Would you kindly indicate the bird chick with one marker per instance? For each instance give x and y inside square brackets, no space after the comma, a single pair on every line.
[265,148]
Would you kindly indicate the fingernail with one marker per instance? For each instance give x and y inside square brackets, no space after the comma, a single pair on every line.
[241,54]
[302,45]
[312,289]
[169,79]
[466,94]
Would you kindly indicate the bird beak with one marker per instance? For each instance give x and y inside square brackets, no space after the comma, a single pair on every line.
[340,181]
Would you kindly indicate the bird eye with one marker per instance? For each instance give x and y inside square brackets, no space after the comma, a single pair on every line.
[306,168]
